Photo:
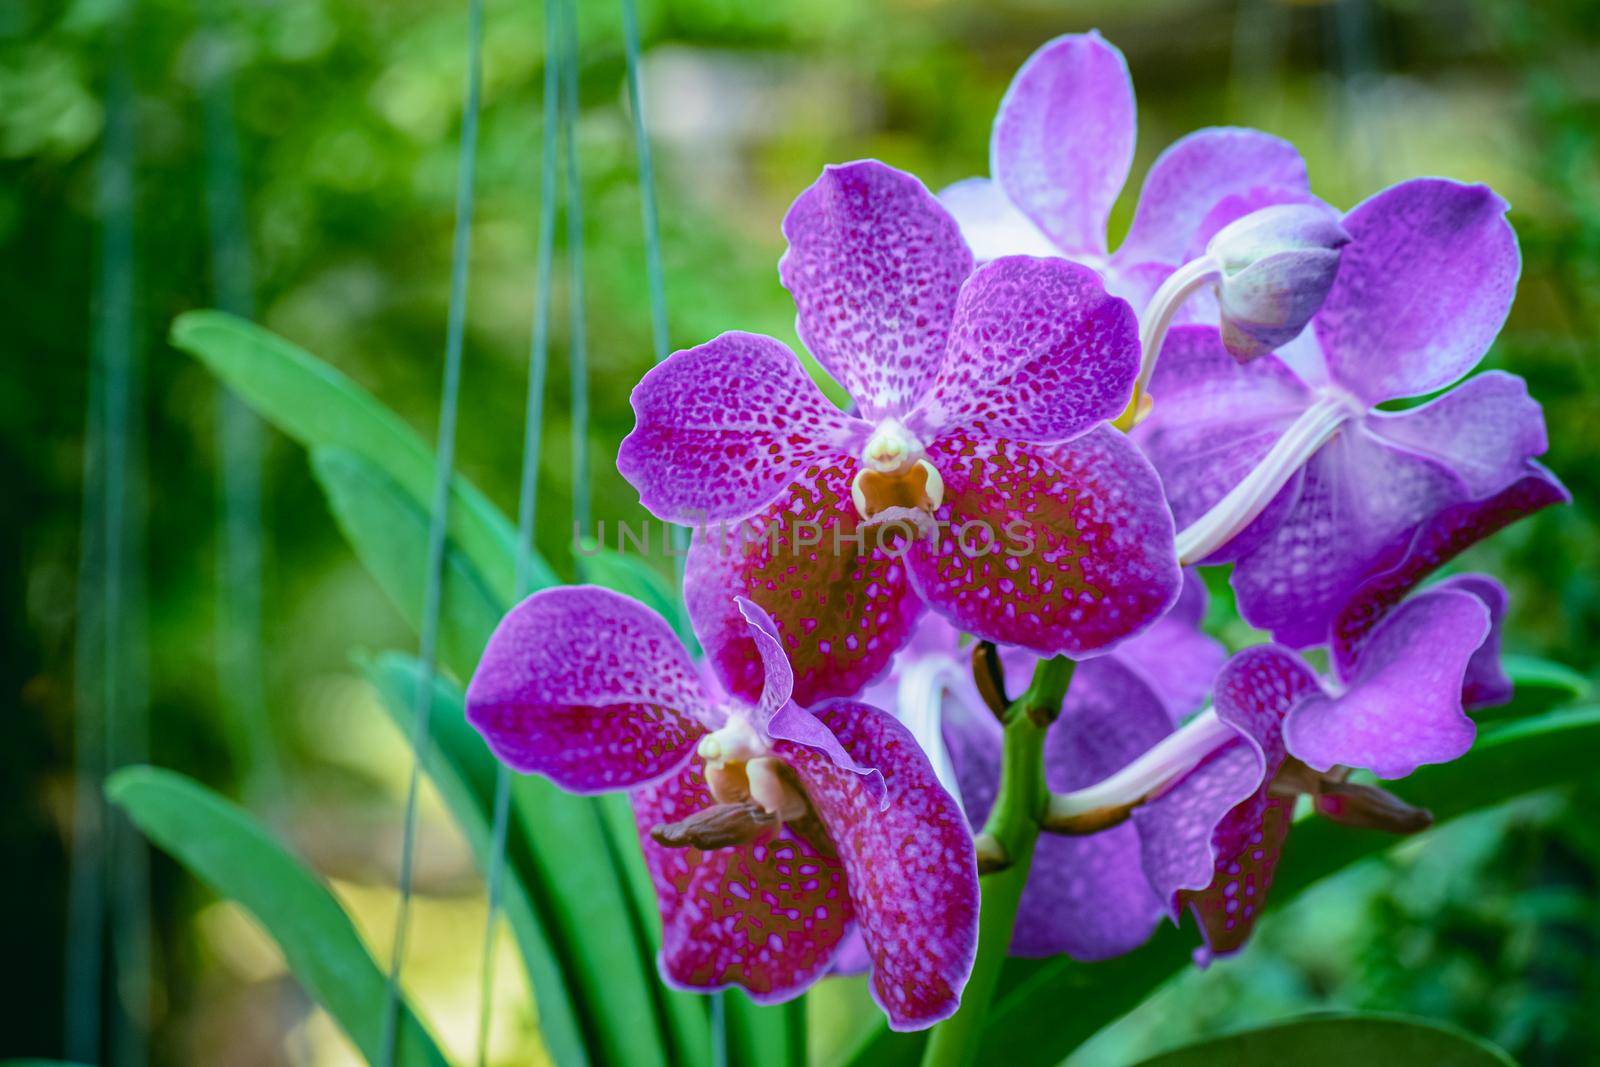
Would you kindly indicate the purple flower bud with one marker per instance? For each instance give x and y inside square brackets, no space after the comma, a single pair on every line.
[1277,265]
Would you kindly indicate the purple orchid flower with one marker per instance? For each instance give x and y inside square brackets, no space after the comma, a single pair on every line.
[976,476]
[1087,895]
[1212,839]
[1060,152]
[771,832]
[1288,467]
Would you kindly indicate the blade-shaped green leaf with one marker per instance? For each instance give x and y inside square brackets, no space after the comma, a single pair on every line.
[460,766]
[1027,1025]
[316,405]
[225,848]
[1339,1040]
[1539,685]
[389,533]
[761,1035]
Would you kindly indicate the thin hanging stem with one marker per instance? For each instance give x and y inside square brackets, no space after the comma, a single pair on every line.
[528,500]
[241,682]
[578,357]
[439,514]
[1005,854]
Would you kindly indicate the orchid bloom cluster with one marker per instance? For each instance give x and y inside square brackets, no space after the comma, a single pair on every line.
[1043,435]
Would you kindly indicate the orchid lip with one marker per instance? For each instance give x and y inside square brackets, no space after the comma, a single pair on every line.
[894,473]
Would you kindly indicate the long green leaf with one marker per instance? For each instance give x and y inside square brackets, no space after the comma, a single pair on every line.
[316,405]
[1339,1040]
[1028,1026]
[229,851]
[1538,685]
[460,766]
[632,576]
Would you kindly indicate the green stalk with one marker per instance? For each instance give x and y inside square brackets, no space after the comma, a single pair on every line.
[1008,837]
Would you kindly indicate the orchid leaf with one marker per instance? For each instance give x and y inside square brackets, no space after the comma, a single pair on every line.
[632,576]
[1027,1027]
[223,846]
[1538,685]
[1338,1040]
[318,406]
[460,766]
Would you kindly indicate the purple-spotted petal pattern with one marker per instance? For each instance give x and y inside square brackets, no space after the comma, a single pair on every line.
[1403,705]
[1422,290]
[874,265]
[1038,352]
[1227,909]
[1214,419]
[721,429]
[1063,139]
[836,590]
[590,689]
[1359,499]
[766,916]
[1198,172]
[991,223]
[777,675]
[1486,684]
[1435,543]
[1485,429]
[1189,833]
[1060,548]
[912,874]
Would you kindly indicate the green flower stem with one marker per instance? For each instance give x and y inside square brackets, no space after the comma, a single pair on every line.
[1009,836]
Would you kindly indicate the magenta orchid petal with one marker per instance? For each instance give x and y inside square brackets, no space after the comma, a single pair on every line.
[777,675]
[1435,543]
[1063,139]
[912,873]
[1201,171]
[1423,288]
[874,265]
[1485,430]
[1402,708]
[1214,418]
[1038,352]
[991,223]
[1060,548]
[842,602]
[1227,909]
[1486,684]
[767,916]
[795,724]
[1192,831]
[1359,499]
[1176,656]
[722,428]
[590,689]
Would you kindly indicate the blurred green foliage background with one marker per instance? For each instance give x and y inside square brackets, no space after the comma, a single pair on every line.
[349,114]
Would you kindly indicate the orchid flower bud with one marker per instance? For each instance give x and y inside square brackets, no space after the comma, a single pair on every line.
[1276,267]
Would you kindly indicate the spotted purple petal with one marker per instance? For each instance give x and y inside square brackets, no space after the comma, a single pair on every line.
[991,223]
[837,592]
[1190,833]
[1359,500]
[721,429]
[912,874]
[1198,172]
[1061,548]
[1227,909]
[1038,352]
[590,689]
[874,265]
[1485,429]
[1486,684]
[766,916]
[1402,707]
[777,675]
[1422,290]
[1436,542]
[1214,419]
[1063,139]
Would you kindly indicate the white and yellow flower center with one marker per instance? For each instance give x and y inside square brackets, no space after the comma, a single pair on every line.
[894,473]
[738,768]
